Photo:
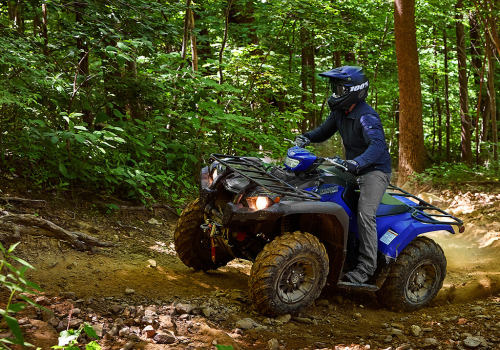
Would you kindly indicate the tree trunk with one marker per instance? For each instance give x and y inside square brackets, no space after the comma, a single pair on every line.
[411,133]
[492,94]
[465,140]
[337,62]
[185,36]
[83,64]
[446,99]
[312,75]
[45,34]
[303,75]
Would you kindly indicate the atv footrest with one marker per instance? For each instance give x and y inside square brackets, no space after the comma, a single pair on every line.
[366,287]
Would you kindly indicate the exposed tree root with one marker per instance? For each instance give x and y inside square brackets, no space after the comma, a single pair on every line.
[33,225]
[35,202]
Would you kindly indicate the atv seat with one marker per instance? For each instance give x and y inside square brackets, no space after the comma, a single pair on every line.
[391,206]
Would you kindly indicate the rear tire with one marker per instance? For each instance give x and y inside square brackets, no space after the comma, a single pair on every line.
[288,274]
[416,277]
[192,244]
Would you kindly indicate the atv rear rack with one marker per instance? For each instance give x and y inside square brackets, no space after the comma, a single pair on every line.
[419,210]
[257,174]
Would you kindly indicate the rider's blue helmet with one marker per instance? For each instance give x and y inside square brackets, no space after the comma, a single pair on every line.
[349,86]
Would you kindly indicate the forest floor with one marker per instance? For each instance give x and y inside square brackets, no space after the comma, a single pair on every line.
[139,295]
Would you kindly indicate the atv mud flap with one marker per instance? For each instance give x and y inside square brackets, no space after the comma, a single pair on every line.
[365,287]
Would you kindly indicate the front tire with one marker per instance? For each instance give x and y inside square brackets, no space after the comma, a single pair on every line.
[288,274]
[192,244]
[416,277]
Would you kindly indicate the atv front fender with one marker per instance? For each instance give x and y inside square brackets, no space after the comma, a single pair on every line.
[236,215]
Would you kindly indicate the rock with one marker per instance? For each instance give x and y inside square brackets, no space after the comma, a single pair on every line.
[322,302]
[320,345]
[273,344]
[432,199]
[98,329]
[54,322]
[183,308]
[284,318]
[415,330]
[426,329]
[357,315]
[153,221]
[68,295]
[116,309]
[165,337]
[40,334]
[384,325]
[206,311]
[302,320]
[75,323]
[149,331]
[396,331]
[129,345]
[429,343]
[472,342]
[465,335]
[388,339]
[113,331]
[76,311]
[148,320]
[124,332]
[129,291]
[404,347]
[462,321]
[246,323]
[398,325]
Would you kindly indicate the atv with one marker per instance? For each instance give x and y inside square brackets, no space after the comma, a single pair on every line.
[297,224]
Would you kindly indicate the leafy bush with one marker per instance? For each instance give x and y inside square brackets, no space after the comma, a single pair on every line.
[68,340]
[13,279]
[444,173]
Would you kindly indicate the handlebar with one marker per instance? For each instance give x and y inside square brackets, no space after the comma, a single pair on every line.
[335,161]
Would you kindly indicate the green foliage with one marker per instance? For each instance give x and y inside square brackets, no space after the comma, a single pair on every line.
[224,347]
[68,340]
[446,173]
[13,279]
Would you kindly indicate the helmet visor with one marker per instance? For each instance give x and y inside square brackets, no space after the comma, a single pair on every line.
[338,90]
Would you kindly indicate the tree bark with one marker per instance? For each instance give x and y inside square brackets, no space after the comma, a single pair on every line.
[465,140]
[185,36]
[337,62]
[411,133]
[303,75]
[446,99]
[45,34]
[83,63]
[492,95]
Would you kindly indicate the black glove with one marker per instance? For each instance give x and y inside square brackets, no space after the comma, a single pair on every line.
[351,165]
[302,141]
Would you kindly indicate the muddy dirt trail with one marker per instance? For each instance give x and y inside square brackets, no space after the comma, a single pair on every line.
[140,296]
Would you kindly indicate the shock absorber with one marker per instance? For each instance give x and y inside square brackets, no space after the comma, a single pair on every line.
[286,225]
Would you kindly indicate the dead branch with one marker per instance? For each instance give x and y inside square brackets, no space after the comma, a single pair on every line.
[33,225]
[37,202]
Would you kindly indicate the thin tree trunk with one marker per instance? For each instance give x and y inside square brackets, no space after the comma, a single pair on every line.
[45,34]
[440,126]
[411,133]
[304,74]
[224,40]
[194,51]
[337,62]
[185,36]
[491,88]
[312,75]
[465,140]
[446,99]
[83,63]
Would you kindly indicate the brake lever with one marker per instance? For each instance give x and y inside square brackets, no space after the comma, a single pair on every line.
[292,142]
[335,162]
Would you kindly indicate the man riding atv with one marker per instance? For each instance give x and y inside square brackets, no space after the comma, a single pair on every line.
[366,152]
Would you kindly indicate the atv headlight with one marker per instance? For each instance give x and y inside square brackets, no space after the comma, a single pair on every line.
[216,170]
[259,203]
[292,163]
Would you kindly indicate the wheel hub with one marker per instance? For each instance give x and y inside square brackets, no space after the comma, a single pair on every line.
[421,281]
[296,280]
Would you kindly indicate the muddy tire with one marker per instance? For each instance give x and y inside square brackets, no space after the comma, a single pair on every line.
[192,244]
[288,274]
[416,277]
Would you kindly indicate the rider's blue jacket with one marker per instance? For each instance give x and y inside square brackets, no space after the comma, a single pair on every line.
[362,134]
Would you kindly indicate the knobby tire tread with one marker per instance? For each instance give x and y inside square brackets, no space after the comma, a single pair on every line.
[265,270]
[392,292]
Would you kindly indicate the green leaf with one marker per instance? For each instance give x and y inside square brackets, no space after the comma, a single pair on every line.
[111,48]
[63,170]
[149,139]
[2,249]
[122,46]
[93,346]
[24,262]
[16,307]
[66,337]
[120,59]
[112,206]
[224,347]
[101,117]
[90,331]
[14,327]
[54,139]
[79,138]
[12,247]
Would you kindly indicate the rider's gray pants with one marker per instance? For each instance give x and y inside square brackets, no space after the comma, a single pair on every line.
[372,188]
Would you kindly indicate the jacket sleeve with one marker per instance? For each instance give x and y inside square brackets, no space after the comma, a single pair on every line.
[324,131]
[373,134]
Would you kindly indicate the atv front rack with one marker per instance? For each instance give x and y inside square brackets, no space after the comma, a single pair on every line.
[419,211]
[258,176]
